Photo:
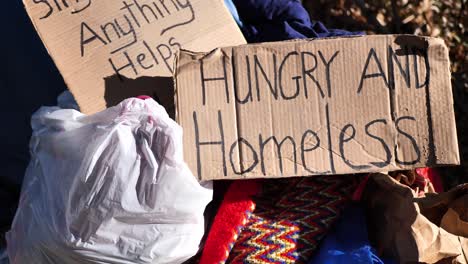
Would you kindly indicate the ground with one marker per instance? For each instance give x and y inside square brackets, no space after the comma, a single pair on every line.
[447,19]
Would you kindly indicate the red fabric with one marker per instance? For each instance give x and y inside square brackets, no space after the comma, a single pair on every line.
[232,214]
[291,217]
[360,189]
[143,97]
[432,175]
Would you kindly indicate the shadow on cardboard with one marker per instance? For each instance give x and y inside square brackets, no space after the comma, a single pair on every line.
[161,89]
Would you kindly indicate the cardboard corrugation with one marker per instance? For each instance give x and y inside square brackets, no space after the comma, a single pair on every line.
[86,66]
[381,125]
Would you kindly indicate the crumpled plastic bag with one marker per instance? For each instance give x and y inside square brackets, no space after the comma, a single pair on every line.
[108,188]
[413,229]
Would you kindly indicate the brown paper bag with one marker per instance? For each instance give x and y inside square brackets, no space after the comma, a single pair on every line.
[455,219]
[410,229]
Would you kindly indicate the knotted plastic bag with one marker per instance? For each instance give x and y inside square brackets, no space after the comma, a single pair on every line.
[108,188]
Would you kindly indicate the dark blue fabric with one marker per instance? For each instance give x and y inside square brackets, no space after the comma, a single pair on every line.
[28,80]
[275,20]
[347,242]
[232,8]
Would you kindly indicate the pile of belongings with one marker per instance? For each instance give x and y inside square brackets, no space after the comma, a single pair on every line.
[128,196]
[376,218]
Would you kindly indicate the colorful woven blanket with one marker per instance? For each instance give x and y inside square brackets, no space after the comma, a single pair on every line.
[276,221]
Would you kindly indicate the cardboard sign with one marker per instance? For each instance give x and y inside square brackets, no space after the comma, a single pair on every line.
[331,106]
[103,48]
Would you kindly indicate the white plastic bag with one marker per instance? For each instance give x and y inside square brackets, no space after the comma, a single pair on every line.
[108,188]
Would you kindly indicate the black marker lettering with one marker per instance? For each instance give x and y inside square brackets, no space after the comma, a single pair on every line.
[165,7]
[330,146]
[131,30]
[65,3]
[199,144]
[159,10]
[366,75]
[416,68]
[84,41]
[304,143]
[249,80]
[140,59]
[50,8]
[127,7]
[145,11]
[84,7]
[175,5]
[327,65]
[254,154]
[411,139]
[105,30]
[173,43]
[278,145]
[151,52]
[204,80]
[296,78]
[388,154]
[58,5]
[309,71]
[129,64]
[166,58]
[273,87]
[191,19]
[392,57]
[343,140]
[431,157]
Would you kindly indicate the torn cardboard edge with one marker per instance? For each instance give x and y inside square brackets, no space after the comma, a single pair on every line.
[103,48]
[297,108]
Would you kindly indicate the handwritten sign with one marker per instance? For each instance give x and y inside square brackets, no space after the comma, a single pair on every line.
[332,106]
[100,46]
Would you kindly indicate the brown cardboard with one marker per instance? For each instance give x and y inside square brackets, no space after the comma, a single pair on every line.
[91,40]
[348,120]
